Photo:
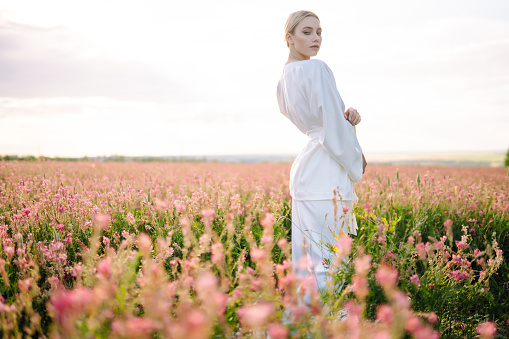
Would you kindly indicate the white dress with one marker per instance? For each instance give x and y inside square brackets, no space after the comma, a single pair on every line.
[332,159]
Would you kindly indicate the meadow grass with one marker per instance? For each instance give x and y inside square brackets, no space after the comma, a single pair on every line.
[202,250]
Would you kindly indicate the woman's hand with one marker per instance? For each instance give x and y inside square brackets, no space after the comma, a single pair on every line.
[364,164]
[352,116]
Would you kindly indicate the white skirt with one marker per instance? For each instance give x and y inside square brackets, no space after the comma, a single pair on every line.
[313,227]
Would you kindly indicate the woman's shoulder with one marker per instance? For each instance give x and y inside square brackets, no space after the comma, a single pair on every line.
[304,73]
[310,67]
[309,63]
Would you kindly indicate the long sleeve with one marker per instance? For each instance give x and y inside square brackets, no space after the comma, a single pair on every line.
[338,137]
[280,104]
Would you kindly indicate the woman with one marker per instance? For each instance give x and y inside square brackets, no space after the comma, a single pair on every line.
[331,161]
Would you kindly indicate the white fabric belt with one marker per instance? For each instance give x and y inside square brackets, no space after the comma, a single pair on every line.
[314,133]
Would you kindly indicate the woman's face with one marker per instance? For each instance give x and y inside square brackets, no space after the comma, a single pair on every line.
[307,38]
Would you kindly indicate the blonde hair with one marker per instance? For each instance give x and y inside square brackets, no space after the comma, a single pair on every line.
[294,19]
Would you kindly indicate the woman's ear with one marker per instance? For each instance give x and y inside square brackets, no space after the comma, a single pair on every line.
[289,38]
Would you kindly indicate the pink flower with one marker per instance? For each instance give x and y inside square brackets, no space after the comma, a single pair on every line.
[461,244]
[277,331]
[413,324]
[401,300]
[208,215]
[384,313]
[487,330]
[389,255]
[459,275]
[344,245]
[421,250]
[268,220]
[24,285]
[204,240]
[77,269]
[144,242]
[184,221]
[106,241]
[386,276]
[414,279]
[191,263]
[282,242]
[360,286]
[285,281]
[345,209]
[367,207]
[192,324]
[439,245]
[4,308]
[256,284]
[102,220]
[220,299]
[432,317]
[482,275]
[67,303]
[280,268]
[161,205]
[362,264]
[237,294]
[104,267]
[411,240]
[9,251]
[352,307]
[179,206]
[258,254]
[425,332]
[382,334]
[456,258]
[53,281]
[217,253]
[207,283]
[448,227]
[130,219]
[255,315]
[134,327]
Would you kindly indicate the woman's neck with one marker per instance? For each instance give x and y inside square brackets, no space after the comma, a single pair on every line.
[296,56]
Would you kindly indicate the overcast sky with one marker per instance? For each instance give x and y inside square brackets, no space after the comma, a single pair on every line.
[102,77]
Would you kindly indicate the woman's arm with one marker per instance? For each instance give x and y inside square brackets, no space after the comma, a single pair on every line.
[338,139]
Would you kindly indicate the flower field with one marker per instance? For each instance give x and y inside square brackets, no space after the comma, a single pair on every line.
[201,250]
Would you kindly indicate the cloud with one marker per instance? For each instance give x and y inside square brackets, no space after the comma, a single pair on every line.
[40,62]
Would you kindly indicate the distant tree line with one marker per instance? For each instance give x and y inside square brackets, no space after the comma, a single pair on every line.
[111,158]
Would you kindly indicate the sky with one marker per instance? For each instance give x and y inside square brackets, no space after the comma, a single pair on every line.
[104,77]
